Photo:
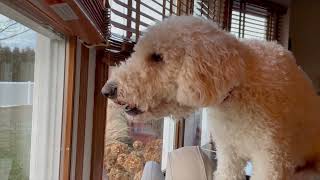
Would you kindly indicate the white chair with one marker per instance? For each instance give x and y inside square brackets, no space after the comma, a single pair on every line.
[152,171]
[189,163]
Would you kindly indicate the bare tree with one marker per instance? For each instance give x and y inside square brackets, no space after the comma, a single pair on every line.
[10,28]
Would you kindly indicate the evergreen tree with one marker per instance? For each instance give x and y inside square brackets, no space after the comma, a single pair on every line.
[16,64]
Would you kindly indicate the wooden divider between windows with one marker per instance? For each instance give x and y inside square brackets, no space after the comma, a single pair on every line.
[65,159]
[82,111]
[99,117]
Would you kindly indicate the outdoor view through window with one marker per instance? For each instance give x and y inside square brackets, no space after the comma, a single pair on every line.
[17,57]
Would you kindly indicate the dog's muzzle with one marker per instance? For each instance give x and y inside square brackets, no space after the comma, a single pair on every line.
[110,90]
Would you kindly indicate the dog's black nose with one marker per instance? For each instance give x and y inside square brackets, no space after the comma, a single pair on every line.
[110,90]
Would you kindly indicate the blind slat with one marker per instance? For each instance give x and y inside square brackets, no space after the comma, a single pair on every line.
[135,10]
[133,15]
[124,27]
[160,4]
[129,18]
[256,13]
[260,30]
[250,18]
[251,22]
[151,8]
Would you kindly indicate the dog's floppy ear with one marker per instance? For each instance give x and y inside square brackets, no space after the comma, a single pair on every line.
[211,69]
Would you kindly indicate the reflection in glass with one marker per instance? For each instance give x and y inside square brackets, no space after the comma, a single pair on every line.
[129,145]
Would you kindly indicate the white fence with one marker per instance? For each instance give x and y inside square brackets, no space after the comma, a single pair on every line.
[16,93]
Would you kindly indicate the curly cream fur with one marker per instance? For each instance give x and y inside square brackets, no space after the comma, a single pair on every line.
[262,106]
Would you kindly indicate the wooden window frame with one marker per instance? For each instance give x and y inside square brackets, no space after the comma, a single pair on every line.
[82,113]
[90,14]
[99,117]
[76,118]
[99,114]
[65,159]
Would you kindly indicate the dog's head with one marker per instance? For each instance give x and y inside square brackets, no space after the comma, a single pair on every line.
[180,64]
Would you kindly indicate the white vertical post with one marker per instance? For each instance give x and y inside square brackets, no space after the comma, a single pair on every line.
[47,109]
[169,125]
[205,135]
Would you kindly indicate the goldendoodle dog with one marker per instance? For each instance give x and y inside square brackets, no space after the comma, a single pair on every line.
[262,106]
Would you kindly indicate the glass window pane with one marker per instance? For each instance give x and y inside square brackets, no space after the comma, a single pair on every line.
[31,100]
[17,59]
[129,145]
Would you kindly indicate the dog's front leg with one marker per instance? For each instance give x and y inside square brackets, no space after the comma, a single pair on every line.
[230,166]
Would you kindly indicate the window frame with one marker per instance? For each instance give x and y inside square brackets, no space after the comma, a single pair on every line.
[53,66]
[48,90]
[99,115]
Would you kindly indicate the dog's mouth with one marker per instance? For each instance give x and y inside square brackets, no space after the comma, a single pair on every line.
[131,110]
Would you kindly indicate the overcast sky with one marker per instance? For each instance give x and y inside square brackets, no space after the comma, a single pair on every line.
[27,39]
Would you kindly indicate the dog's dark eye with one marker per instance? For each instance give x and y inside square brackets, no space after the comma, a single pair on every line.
[156,57]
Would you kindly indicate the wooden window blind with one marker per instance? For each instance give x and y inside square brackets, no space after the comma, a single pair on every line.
[127,19]
[211,9]
[130,17]
[95,10]
[256,19]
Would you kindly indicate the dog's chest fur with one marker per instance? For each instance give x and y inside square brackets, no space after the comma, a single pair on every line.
[233,127]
